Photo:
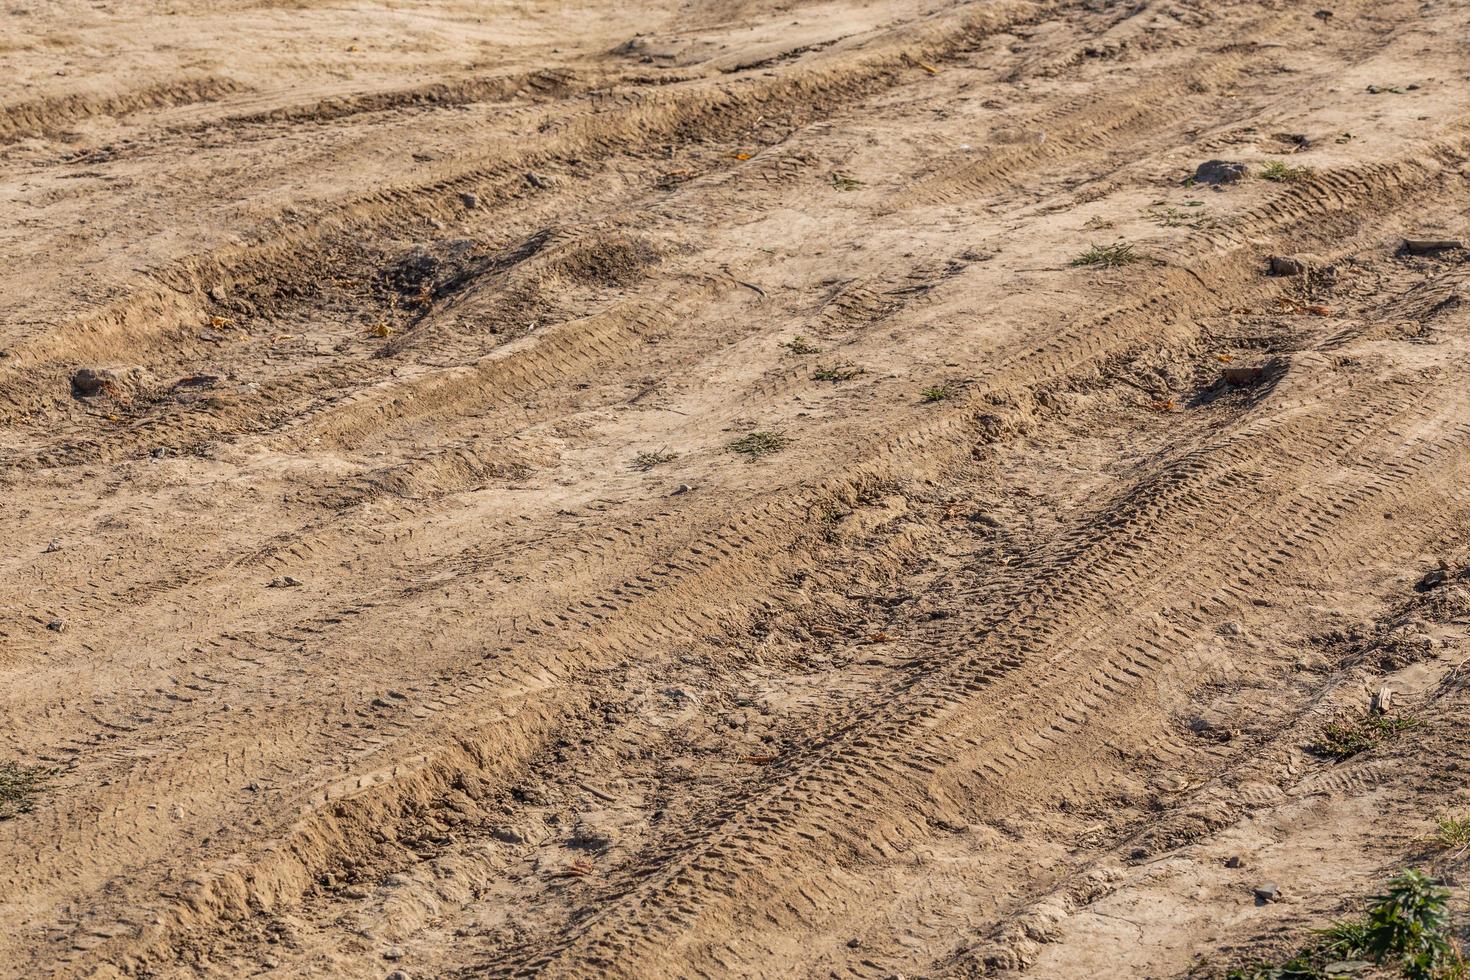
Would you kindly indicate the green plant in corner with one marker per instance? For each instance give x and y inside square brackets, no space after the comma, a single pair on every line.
[1409,924]
[1406,929]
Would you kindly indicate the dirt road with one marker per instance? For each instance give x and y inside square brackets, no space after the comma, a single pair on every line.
[723,489]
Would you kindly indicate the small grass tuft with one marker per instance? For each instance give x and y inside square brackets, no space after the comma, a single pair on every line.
[836,372]
[20,786]
[1282,173]
[1108,256]
[1344,739]
[647,461]
[1452,833]
[799,345]
[757,444]
[939,392]
[1167,216]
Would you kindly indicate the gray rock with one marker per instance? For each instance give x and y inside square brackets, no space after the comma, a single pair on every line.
[1268,892]
[469,200]
[1433,578]
[1234,861]
[1217,172]
[397,975]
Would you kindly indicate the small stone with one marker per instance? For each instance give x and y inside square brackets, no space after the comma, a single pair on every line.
[55,545]
[854,943]
[217,293]
[392,953]
[1433,578]
[535,180]
[56,626]
[284,582]
[1268,892]
[470,201]
[397,975]
[1234,861]
[436,224]
[270,962]
[1217,172]
[356,891]
[681,488]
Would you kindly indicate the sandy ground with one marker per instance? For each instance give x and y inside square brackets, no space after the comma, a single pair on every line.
[386,588]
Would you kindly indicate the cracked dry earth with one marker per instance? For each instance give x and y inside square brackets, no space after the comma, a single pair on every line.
[385,586]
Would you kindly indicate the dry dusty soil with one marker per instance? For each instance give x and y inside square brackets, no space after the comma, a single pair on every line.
[649,490]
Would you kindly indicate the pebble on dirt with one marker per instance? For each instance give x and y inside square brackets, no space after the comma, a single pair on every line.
[284,582]
[1433,578]
[1217,172]
[1269,892]
[469,200]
